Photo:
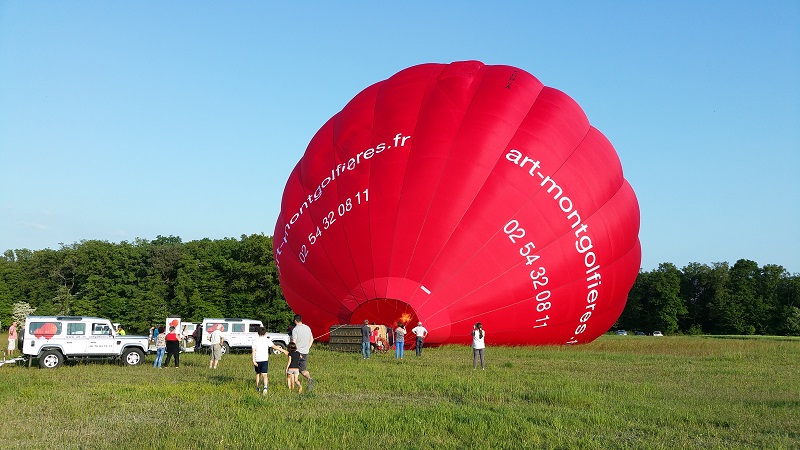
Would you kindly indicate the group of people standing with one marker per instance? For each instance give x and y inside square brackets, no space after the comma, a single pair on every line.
[166,343]
[369,338]
[420,332]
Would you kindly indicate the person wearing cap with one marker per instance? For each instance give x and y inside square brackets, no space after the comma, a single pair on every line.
[420,332]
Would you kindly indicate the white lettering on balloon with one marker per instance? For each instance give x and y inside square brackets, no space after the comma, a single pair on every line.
[515,232]
[340,170]
[583,239]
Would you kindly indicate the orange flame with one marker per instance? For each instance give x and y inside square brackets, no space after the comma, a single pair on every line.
[405,318]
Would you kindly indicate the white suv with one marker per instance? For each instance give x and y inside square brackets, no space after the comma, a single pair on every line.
[239,333]
[54,339]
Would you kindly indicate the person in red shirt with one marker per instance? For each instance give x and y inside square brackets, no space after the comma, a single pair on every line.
[373,339]
[173,346]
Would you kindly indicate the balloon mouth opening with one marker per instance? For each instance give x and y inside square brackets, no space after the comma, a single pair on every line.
[385,311]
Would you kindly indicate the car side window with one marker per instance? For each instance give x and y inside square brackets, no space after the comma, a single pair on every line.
[44,329]
[211,327]
[254,328]
[76,329]
[238,328]
[100,329]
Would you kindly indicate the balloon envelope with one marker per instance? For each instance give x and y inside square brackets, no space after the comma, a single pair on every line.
[459,193]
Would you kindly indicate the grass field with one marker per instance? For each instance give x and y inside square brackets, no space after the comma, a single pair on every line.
[620,392]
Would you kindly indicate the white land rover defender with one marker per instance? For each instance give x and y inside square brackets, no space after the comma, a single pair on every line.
[55,339]
[239,334]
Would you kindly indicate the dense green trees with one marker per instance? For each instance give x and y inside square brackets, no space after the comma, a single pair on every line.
[140,283]
[715,299]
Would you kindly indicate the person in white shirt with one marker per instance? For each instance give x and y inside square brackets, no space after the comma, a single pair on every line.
[302,337]
[216,341]
[261,346]
[478,345]
[420,332]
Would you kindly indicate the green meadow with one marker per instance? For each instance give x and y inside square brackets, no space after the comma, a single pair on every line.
[619,392]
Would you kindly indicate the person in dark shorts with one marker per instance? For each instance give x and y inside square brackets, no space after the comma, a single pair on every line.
[293,369]
[261,348]
[302,337]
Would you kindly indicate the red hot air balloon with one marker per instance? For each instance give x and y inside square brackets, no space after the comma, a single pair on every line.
[460,193]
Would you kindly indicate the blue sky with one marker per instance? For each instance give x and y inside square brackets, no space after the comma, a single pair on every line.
[121,120]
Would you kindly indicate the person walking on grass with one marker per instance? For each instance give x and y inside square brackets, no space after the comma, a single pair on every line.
[365,338]
[161,346]
[421,333]
[293,368]
[399,340]
[303,339]
[478,345]
[216,341]
[262,345]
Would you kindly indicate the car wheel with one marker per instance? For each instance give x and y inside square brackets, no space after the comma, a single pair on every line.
[278,344]
[132,357]
[51,359]
[226,348]
[21,339]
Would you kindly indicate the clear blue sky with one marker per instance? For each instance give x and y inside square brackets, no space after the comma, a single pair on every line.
[121,120]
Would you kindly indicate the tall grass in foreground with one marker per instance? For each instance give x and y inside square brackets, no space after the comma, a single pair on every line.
[618,392]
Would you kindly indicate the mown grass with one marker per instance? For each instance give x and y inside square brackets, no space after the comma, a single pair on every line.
[618,392]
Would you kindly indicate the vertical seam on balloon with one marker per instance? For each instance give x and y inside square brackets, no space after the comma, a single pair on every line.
[433,76]
[464,263]
[359,285]
[477,77]
[311,218]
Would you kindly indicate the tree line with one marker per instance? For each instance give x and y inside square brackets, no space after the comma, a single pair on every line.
[715,299]
[140,283]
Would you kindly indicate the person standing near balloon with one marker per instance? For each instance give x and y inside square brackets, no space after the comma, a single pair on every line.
[373,339]
[478,345]
[421,332]
[365,338]
[399,340]
[302,337]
